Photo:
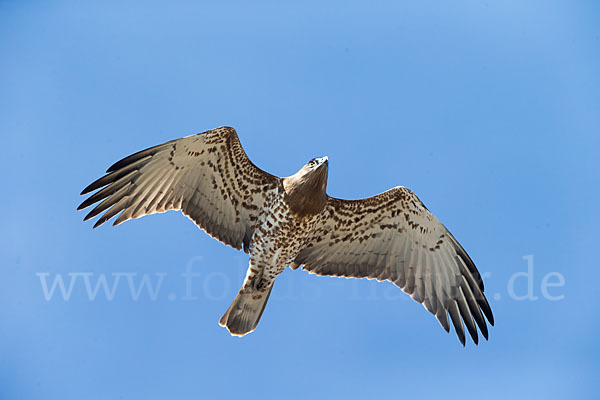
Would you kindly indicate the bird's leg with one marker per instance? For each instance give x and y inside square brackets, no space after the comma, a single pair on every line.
[263,285]
[253,278]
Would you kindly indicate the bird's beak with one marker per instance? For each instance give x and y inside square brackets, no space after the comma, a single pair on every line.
[325,164]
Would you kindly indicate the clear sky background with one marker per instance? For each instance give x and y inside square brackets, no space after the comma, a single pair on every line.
[489,111]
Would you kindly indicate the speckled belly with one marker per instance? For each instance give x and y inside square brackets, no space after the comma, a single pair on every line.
[278,238]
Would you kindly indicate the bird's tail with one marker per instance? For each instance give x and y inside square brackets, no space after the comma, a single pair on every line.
[245,311]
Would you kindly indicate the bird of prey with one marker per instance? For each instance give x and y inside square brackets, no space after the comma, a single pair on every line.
[292,222]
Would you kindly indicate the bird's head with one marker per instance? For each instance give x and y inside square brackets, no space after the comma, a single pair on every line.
[306,189]
[316,172]
[316,163]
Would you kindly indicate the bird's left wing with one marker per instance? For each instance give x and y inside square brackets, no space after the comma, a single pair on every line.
[392,236]
[207,176]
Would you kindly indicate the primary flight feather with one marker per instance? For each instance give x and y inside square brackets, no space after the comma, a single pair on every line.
[290,222]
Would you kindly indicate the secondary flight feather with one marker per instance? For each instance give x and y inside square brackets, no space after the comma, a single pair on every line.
[292,222]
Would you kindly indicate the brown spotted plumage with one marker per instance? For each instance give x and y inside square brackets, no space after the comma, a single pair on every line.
[289,222]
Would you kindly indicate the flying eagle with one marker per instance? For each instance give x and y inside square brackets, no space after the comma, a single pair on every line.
[292,222]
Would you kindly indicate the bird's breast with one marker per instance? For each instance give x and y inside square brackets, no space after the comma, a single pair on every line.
[280,234]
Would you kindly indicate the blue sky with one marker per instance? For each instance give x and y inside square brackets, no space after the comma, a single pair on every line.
[487,110]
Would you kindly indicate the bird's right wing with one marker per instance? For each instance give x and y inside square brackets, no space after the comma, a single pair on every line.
[207,176]
[392,236]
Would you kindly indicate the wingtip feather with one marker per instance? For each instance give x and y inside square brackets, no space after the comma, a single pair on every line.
[99,222]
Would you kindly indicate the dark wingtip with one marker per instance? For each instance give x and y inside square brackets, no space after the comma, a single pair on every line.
[90,215]
[484,332]
[446,328]
[487,310]
[86,203]
[99,222]
[472,331]
[134,157]
[87,189]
